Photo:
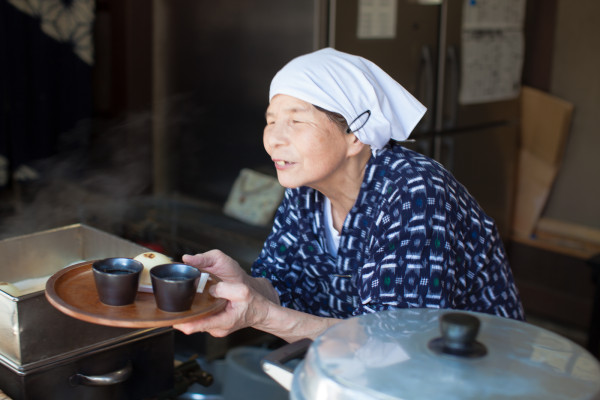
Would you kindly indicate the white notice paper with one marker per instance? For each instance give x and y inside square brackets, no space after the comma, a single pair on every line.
[376,19]
[493,14]
[493,49]
[491,65]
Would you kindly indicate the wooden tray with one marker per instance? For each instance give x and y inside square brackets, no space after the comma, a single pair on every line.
[73,291]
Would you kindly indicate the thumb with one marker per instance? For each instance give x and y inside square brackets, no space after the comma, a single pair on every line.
[199,261]
[217,263]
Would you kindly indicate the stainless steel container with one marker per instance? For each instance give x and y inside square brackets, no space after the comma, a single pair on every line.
[139,366]
[34,335]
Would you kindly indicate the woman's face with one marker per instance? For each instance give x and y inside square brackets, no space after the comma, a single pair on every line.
[308,149]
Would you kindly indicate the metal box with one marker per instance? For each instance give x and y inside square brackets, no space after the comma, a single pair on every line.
[139,367]
[33,332]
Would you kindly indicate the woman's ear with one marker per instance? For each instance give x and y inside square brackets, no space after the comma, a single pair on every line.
[355,146]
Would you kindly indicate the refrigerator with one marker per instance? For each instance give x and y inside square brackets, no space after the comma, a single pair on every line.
[213,62]
[472,120]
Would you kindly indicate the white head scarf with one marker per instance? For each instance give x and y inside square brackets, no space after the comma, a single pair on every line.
[376,107]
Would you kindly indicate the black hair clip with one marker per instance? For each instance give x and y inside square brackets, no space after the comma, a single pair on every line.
[361,119]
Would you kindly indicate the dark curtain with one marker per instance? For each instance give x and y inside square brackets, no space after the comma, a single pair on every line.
[45,75]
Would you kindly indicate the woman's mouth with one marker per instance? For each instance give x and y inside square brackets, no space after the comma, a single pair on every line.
[282,164]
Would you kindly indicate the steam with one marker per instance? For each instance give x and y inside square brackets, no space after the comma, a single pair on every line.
[93,179]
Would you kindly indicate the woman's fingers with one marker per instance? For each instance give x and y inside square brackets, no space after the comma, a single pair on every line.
[227,321]
[217,263]
[188,328]
[245,307]
[211,324]
[246,301]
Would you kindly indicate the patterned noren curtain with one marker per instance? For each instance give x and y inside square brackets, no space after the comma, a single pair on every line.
[46,59]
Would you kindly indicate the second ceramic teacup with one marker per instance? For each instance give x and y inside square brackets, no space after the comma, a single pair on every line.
[174,286]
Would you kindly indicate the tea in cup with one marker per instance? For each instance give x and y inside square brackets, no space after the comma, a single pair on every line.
[117,280]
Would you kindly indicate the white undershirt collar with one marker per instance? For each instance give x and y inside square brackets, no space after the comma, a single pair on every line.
[331,234]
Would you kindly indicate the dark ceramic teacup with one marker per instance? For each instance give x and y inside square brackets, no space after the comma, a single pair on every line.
[117,280]
[174,286]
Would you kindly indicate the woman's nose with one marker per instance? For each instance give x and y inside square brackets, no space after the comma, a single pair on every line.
[275,135]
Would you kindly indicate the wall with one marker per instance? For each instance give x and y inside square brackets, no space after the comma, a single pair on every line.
[575,77]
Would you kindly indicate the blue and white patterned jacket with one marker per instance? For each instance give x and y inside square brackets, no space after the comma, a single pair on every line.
[414,238]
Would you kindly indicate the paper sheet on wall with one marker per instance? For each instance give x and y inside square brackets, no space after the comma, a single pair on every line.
[492,50]
[376,19]
[493,14]
[491,65]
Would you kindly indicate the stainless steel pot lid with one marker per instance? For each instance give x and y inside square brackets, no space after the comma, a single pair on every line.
[401,354]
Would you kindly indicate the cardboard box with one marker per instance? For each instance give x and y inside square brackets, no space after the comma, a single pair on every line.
[534,181]
[545,124]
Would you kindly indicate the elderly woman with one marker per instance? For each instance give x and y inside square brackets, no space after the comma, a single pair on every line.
[366,224]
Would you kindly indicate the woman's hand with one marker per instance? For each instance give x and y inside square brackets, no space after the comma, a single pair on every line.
[247,297]
[251,302]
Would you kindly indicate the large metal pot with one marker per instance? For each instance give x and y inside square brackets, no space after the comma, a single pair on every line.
[429,354]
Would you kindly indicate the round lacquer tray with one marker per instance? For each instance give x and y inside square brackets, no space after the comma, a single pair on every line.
[73,291]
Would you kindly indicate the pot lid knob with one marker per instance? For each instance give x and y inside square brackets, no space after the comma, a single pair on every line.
[459,332]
